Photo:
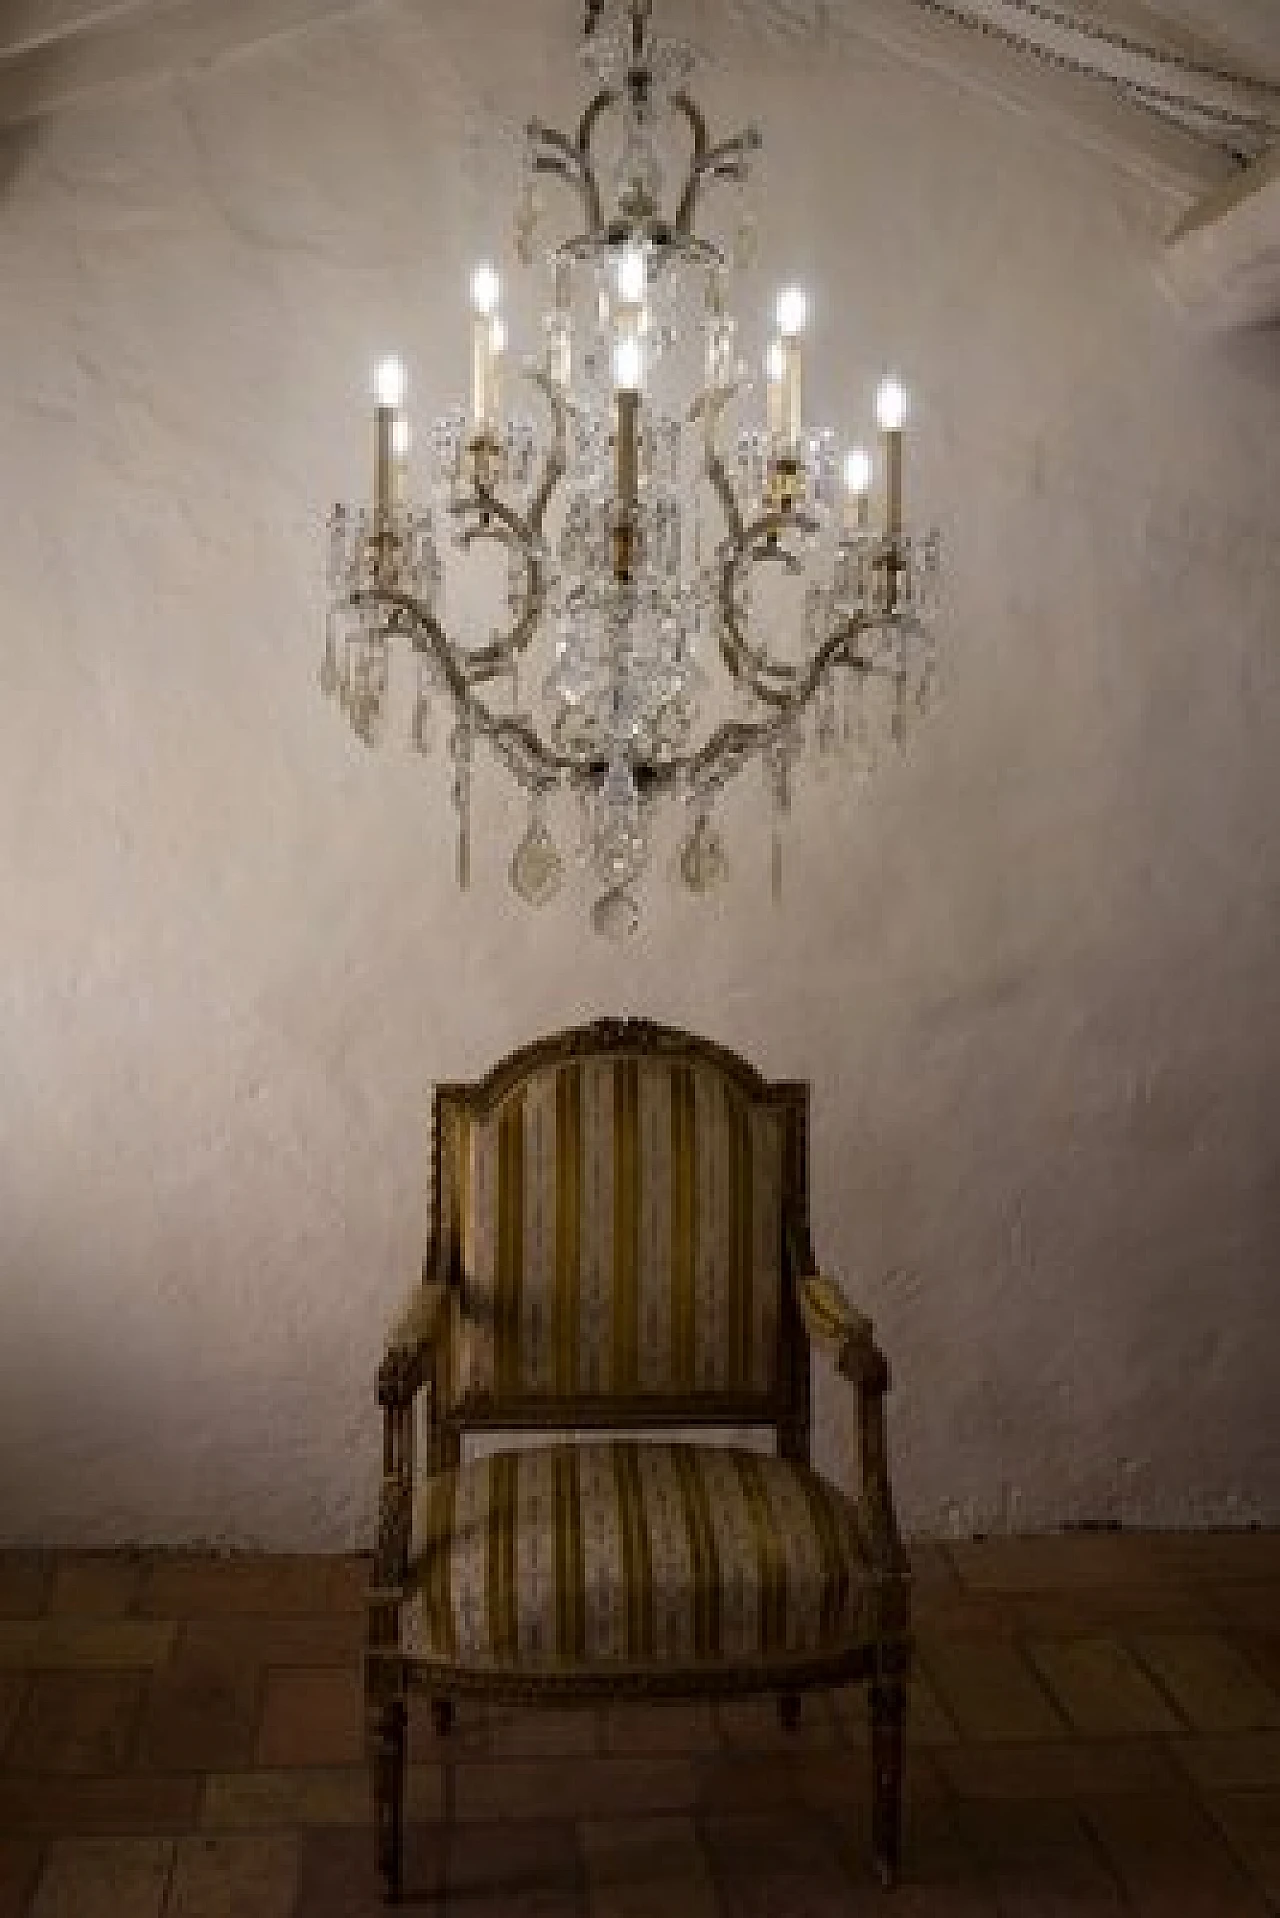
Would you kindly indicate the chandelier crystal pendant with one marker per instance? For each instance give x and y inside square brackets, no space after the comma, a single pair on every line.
[674,610]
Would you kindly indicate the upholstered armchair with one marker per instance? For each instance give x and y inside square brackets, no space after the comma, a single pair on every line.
[620,1250]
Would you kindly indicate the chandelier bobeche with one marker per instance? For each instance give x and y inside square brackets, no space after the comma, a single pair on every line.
[636,548]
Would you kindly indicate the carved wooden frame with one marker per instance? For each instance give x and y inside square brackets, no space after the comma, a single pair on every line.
[882,1660]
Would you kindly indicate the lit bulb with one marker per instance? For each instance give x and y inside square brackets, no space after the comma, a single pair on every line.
[775,362]
[497,335]
[389,382]
[857,473]
[628,365]
[486,290]
[793,310]
[631,276]
[891,405]
[400,438]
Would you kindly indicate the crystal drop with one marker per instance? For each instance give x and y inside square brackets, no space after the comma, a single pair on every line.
[702,862]
[537,870]
[422,729]
[329,667]
[615,914]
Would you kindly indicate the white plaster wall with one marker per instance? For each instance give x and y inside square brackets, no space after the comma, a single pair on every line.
[1030,971]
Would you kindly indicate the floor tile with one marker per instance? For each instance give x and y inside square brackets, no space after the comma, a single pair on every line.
[19,1643]
[1044,1863]
[1248,1762]
[1251,1824]
[1072,1769]
[255,1638]
[1171,1859]
[528,1870]
[95,1584]
[575,1787]
[13,1690]
[1251,1609]
[676,1727]
[312,1717]
[19,1868]
[991,1692]
[24,1583]
[1219,1557]
[105,1643]
[104,1878]
[33,1804]
[201,1586]
[76,1722]
[928,1721]
[1213,1685]
[1061,1562]
[1102,1690]
[276,1800]
[201,1711]
[754,1724]
[234,1877]
[646,1868]
[533,1732]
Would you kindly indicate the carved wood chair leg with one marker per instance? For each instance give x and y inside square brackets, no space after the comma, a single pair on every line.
[789,1711]
[442,1716]
[888,1702]
[389,1739]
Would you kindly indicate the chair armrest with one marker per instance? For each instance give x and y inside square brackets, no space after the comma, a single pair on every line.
[411,1345]
[835,1325]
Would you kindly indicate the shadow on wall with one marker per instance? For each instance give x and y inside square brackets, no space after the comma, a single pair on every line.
[15,144]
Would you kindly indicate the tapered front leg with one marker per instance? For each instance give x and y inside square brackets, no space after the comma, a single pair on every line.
[389,1739]
[888,1702]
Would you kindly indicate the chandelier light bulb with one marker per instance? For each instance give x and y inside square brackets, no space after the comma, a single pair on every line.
[628,365]
[631,276]
[775,362]
[486,291]
[497,335]
[389,382]
[857,473]
[400,437]
[891,405]
[793,311]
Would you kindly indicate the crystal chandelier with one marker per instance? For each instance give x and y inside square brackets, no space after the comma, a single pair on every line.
[674,608]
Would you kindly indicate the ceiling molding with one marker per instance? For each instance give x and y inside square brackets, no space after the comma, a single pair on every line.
[56,53]
[1222,262]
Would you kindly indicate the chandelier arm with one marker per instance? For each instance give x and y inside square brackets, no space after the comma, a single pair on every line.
[555,463]
[758,544]
[554,152]
[484,517]
[514,739]
[737,740]
[728,160]
[722,485]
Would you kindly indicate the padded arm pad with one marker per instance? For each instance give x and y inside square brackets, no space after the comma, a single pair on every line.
[836,1325]
[421,1321]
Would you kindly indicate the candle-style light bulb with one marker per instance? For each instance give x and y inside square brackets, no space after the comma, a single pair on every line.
[891,405]
[891,412]
[486,291]
[628,365]
[389,383]
[388,388]
[631,276]
[858,473]
[792,312]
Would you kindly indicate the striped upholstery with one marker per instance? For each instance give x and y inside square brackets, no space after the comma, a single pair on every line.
[616,1226]
[631,1554]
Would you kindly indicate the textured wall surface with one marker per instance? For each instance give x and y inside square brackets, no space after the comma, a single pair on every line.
[1030,969]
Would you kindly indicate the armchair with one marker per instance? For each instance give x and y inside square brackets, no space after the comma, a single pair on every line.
[620,1246]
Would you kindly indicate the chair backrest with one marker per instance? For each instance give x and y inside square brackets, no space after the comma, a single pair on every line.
[612,1206]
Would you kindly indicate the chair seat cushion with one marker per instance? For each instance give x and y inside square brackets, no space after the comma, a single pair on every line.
[632,1554]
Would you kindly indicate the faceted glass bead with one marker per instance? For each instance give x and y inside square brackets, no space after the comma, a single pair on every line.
[537,870]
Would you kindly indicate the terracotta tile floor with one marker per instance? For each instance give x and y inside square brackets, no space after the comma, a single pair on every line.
[1095,1718]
